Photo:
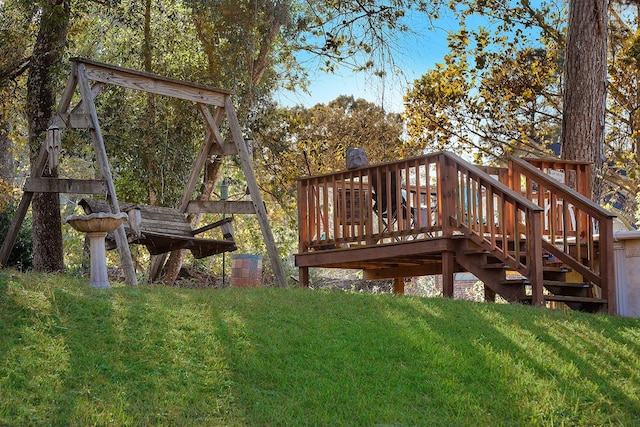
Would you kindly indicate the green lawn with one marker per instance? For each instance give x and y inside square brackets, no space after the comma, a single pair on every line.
[71,355]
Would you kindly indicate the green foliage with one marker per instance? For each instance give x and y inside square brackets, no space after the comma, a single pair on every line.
[623,119]
[151,160]
[299,141]
[21,256]
[498,90]
[15,34]
[168,356]
[6,190]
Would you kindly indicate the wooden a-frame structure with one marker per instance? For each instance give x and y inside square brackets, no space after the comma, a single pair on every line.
[84,116]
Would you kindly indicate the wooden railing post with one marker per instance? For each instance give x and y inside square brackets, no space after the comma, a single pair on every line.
[534,249]
[607,273]
[303,214]
[447,193]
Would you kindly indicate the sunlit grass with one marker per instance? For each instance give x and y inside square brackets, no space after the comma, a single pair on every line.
[174,356]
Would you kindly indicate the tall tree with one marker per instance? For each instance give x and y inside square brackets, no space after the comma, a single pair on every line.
[585,88]
[309,141]
[44,70]
[622,144]
[497,91]
[15,27]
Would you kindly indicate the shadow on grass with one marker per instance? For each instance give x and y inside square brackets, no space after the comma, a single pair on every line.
[383,360]
[145,357]
[126,356]
[532,361]
[167,356]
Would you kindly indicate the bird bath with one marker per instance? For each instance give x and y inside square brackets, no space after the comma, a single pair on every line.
[97,225]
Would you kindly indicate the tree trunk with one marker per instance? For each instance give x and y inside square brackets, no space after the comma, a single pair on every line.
[7,163]
[45,64]
[585,88]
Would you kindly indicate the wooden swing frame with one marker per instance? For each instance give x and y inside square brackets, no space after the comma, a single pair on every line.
[84,116]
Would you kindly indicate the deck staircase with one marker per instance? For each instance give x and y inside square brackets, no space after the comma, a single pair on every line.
[502,280]
[529,231]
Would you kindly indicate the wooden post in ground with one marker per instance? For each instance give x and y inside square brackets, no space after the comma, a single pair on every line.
[398,285]
[489,294]
[303,276]
[534,247]
[447,274]
[254,191]
[105,172]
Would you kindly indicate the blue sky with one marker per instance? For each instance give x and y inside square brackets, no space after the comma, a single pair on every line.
[416,53]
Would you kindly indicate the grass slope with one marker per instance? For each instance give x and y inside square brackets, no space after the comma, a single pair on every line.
[71,355]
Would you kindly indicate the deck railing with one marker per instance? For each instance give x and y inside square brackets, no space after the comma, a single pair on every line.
[370,206]
[576,230]
[432,196]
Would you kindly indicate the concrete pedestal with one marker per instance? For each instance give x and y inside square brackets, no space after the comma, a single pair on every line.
[97,225]
[99,277]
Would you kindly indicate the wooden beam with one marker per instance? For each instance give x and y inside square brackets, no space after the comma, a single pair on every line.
[608,284]
[69,90]
[69,186]
[404,271]
[72,121]
[534,247]
[256,198]
[152,83]
[198,166]
[213,124]
[224,207]
[373,253]
[105,171]
[76,119]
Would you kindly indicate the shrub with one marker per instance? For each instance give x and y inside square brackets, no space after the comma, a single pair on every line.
[21,256]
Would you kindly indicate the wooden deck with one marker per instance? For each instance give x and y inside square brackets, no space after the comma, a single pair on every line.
[438,214]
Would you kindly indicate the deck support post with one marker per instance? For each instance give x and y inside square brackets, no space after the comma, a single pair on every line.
[447,274]
[398,285]
[303,276]
[489,294]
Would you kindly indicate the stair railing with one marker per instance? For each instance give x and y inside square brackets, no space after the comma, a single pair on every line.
[577,231]
[500,220]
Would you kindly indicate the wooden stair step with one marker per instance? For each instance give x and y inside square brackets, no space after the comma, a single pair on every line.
[524,281]
[566,298]
[556,269]
[494,265]
[472,251]
[558,283]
